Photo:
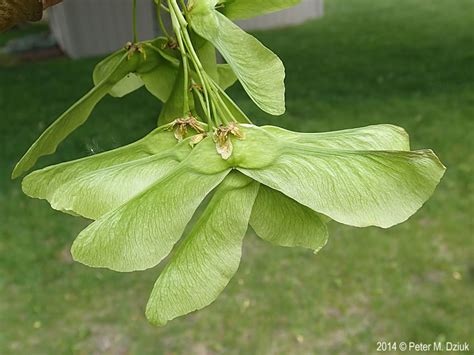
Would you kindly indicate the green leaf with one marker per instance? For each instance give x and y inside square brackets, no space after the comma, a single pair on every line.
[93,194]
[235,110]
[237,113]
[207,55]
[222,74]
[44,183]
[283,221]
[130,83]
[174,107]
[375,137]
[159,74]
[75,116]
[198,110]
[161,46]
[141,232]
[106,66]
[203,264]
[358,188]
[243,9]
[259,70]
[226,79]
[226,76]
[161,80]
[156,70]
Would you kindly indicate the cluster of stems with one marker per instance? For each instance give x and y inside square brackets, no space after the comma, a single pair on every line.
[196,80]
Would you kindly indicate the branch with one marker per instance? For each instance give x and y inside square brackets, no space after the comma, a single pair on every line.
[13,12]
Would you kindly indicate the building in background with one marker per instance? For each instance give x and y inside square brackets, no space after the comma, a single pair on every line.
[86,28]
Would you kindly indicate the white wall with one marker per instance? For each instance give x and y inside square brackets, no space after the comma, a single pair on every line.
[86,28]
[306,10]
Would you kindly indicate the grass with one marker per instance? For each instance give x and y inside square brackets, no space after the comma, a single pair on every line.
[26,30]
[406,62]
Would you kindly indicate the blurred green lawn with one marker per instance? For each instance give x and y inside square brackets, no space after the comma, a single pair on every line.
[406,62]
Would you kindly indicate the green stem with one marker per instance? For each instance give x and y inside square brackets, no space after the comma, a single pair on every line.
[199,96]
[204,86]
[174,6]
[165,55]
[203,103]
[177,30]
[223,105]
[160,19]
[232,101]
[183,33]
[183,5]
[222,116]
[213,101]
[134,14]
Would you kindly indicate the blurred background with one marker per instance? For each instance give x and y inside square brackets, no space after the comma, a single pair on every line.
[358,62]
